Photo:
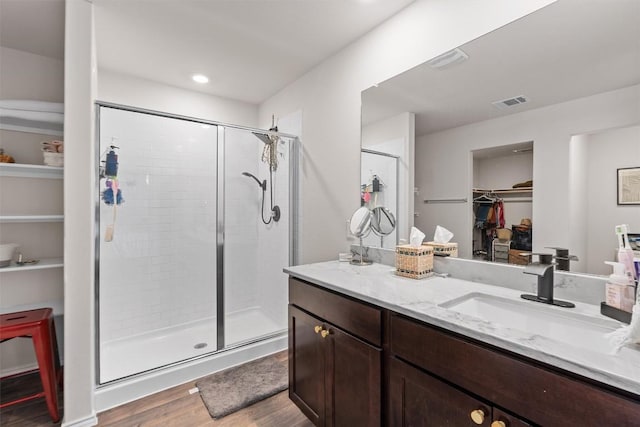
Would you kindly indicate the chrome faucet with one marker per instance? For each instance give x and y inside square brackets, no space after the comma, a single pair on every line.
[544,270]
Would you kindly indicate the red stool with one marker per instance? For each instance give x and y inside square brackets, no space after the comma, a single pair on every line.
[37,324]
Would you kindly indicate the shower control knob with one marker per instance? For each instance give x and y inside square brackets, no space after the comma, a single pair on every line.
[317,329]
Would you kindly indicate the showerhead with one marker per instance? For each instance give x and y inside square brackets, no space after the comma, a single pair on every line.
[262,184]
[263,137]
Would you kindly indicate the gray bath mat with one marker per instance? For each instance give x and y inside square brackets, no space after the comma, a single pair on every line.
[235,388]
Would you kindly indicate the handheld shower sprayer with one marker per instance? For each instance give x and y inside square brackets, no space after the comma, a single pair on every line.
[262,184]
[275,210]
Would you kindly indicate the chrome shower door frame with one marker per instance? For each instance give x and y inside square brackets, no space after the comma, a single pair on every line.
[294,197]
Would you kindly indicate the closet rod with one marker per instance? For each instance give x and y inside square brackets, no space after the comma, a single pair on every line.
[445,201]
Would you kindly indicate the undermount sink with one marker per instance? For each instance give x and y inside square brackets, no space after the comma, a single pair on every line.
[559,324]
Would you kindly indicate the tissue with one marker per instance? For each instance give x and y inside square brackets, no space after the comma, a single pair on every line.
[442,235]
[629,334]
[416,237]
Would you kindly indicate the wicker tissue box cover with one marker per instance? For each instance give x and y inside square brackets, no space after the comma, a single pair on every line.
[447,248]
[416,263]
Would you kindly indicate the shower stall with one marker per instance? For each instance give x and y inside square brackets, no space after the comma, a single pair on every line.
[189,252]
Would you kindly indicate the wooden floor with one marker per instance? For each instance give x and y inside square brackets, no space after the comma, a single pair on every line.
[172,407]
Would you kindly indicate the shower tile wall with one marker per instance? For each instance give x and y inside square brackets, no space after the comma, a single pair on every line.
[159,270]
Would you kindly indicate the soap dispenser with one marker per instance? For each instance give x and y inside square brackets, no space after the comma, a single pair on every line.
[620,289]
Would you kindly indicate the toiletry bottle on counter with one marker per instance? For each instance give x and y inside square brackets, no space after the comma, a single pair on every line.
[620,289]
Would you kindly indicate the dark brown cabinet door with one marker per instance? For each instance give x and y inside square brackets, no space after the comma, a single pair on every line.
[306,365]
[418,399]
[502,419]
[353,385]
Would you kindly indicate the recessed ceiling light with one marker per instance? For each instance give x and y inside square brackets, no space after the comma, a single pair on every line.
[200,78]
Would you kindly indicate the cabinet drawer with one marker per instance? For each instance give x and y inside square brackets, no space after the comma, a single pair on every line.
[527,389]
[358,319]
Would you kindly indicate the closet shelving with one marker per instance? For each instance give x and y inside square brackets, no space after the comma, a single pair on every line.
[45,119]
[43,264]
[30,171]
[506,191]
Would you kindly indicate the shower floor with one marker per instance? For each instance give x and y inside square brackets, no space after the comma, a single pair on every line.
[140,353]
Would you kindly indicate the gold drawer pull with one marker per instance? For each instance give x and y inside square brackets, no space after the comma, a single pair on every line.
[324,333]
[317,329]
[498,424]
[477,416]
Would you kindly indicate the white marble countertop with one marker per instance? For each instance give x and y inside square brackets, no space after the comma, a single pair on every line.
[420,299]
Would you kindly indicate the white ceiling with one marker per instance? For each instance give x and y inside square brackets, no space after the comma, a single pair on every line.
[35,26]
[567,50]
[250,49]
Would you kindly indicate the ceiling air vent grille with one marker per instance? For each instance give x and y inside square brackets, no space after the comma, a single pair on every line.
[510,102]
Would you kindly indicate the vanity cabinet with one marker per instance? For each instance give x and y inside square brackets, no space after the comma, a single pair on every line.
[335,358]
[340,348]
[533,391]
[419,399]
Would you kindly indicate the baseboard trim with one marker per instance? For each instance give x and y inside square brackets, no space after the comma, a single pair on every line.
[89,421]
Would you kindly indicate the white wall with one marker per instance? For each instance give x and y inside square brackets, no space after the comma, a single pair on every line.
[28,76]
[396,135]
[329,95]
[447,154]
[79,207]
[141,93]
[608,151]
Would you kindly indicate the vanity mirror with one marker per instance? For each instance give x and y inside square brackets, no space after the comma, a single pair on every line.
[553,97]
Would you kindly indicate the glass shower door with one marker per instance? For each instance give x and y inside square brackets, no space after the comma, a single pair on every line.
[157,249]
[256,244]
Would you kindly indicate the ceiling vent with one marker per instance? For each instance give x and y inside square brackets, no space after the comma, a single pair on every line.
[511,102]
[448,59]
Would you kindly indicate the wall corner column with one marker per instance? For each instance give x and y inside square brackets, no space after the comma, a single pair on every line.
[79,200]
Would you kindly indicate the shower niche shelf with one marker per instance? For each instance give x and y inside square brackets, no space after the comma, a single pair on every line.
[42,264]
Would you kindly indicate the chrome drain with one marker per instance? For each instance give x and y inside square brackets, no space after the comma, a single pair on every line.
[200,345]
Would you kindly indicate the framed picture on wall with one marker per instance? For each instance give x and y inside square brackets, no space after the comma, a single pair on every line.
[629,186]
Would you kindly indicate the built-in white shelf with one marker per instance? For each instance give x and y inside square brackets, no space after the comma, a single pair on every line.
[504,191]
[41,265]
[30,218]
[56,305]
[30,171]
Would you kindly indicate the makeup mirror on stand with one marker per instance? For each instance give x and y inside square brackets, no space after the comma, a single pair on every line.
[382,222]
[360,226]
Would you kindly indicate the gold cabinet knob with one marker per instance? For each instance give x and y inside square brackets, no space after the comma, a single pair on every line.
[498,424]
[317,329]
[324,333]
[477,416]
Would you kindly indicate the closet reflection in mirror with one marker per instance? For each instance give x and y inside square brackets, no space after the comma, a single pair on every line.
[567,89]
[502,199]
